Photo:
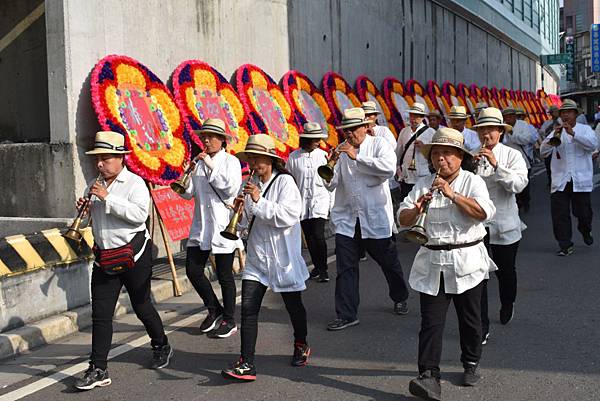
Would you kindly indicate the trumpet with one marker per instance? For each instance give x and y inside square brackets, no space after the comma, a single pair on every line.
[230,232]
[74,231]
[183,183]
[413,165]
[555,140]
[417,233]
[482,162]
[326,170]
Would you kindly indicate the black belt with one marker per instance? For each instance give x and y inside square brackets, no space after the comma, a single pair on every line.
[449,247]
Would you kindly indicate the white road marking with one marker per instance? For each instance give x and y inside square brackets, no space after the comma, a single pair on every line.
[121,349]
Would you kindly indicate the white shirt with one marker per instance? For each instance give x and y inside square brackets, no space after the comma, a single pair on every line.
[421,164]
[316,199]
[509,178]
[361,190]
[274,254]
[519,138]
[471,139]
[211,216]
[123,212]
[386,133]
[533,139]
[575,162]
[463,268]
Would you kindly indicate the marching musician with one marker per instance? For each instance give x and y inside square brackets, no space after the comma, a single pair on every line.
[454,262]
[458,119]
[316,199]
[545,130]
[480,106]
[522,138]
[505,174]
[434,119]
[119,206]
[273,207]
[215,183]
[411,164]
[362,216]
[572,177]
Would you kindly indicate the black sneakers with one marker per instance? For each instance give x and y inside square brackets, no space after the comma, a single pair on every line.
[161,355]
[484,337]
[93,377]
[401,308]
[506,313]
[301,354]
[210,322]
[224,330]
[323,277]
[314,273]
[566,251]
[240,371]
[470,375]
[341,324]
[426,386]
[588,239]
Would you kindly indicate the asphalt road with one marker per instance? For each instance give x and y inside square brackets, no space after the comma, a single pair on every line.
[550,351]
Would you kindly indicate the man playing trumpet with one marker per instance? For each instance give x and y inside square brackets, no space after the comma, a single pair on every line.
[362,215]
[215,182]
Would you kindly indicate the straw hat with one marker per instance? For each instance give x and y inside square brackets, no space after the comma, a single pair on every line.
[508,111]
[213,126]
[417,108]
[434,113]
[445,137]
[370,107]
[353,117]
[108,142]
[258,144]
[520,111]
[458,112]
[312,131]
[480,106]
[553,107]
[491,117]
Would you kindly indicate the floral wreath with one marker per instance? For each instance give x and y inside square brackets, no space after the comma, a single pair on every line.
[339,95]
[475,91]
[268,110]
[507,98]
[309,104]
[487,95]
[128,98]
[435,94]
[470,100]
[202,92]
[420,94]
[398,101]
[367,91]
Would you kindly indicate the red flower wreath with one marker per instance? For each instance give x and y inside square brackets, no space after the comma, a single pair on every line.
[202,92]
[469,100]
[419,94]
[366,90]
[339,95]
[309,104]
[435,94]
[128,98]
[398,101]
[268,110]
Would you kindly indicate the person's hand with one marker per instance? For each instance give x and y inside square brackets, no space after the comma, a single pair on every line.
[422,201]
[568,129]
[189,165]
[334,154]
[348,149]
[442,185]
[99,190]
[201,155]
[252,190]
[79,204]
[488,154]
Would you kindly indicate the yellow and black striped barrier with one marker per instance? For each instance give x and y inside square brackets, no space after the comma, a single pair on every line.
[24,253]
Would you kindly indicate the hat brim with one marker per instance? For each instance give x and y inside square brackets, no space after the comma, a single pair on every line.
[371,112]
[459,117]
[352,125]
[506,127]
[107,152]
[419,113]
[426,149]
[243,155]
[314,136]
[214,132]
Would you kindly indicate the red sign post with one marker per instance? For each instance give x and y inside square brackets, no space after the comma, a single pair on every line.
[176,212]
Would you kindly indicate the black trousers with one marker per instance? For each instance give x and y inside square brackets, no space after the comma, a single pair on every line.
[561,203]
[194,269]
[505,258]
[433,319]
[314,233]
[523,198]
[405,189]
[547,163]
[105,293]
[397,198]
[347,251]
[252,296]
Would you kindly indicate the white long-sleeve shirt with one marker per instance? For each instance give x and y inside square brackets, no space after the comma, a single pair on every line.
[519,138]
[421,164]
[509,178]
[316,199]
[462,268]
[211,216]
[274,254]
[361,190]
[123,212]
[575,162]
[388,135]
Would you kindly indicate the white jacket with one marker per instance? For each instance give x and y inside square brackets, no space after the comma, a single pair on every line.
[572,160]
[387,134]
[509,178]
[316,199]
[274,254]
[421,164]
[519,139]
[362,191]
[211,216]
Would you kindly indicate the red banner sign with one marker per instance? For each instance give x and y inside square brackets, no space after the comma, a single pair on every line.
[176,212]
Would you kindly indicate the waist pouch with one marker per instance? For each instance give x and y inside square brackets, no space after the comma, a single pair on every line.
[119,260]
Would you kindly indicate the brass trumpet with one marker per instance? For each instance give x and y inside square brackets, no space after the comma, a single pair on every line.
[555,140]
[482,162]
[183,183]
[74,231]
[326,171]
[417,233]
[230,232]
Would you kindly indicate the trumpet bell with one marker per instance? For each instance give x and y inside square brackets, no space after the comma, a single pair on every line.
[230,232]
[554,141]
[74,232]
[178,187]
[417,235]
[326,171]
